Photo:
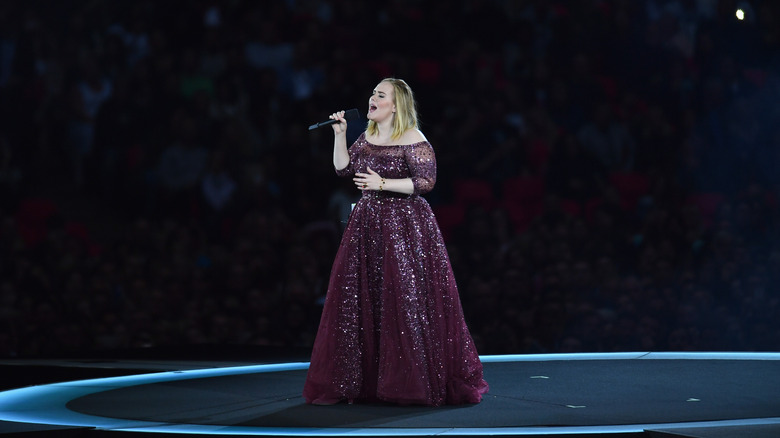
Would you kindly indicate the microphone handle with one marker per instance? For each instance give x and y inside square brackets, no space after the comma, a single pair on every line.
[321,124]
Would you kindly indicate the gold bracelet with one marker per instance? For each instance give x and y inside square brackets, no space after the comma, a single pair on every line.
[382,185]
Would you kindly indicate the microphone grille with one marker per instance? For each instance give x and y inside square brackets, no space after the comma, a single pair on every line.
[352,114]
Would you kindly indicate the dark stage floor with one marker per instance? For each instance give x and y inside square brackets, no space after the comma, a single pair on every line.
[621,394]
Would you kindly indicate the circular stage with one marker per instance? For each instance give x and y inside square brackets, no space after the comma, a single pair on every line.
[688,394]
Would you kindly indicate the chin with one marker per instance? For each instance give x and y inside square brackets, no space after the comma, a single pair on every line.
[376,117]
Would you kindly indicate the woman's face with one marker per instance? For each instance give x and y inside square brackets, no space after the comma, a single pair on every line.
[380,105]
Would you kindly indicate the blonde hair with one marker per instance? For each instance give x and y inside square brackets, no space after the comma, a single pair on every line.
[405,109]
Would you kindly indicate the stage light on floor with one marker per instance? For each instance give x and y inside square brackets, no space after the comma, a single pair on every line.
[572,394]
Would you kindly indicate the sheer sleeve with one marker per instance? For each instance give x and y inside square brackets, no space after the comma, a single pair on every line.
[422,167]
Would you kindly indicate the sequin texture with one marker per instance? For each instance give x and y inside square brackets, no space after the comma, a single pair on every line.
[392,327]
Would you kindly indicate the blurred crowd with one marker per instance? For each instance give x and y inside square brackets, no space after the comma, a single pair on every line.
[606,168]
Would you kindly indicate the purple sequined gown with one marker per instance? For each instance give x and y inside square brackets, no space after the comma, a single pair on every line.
[392,327]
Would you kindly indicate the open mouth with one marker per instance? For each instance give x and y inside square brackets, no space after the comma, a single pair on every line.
[371,108]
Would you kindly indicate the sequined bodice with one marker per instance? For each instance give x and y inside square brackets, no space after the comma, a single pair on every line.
[416,161]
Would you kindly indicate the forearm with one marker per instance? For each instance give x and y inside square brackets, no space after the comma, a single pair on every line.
[404,185]
[373,181]
[340,153]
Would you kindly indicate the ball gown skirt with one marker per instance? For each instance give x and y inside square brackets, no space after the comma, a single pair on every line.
[392,327]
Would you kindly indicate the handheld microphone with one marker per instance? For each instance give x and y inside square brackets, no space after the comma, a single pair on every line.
[348,115]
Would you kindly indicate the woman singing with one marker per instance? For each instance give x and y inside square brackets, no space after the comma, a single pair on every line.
[392,327]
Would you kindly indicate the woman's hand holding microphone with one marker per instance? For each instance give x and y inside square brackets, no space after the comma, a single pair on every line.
[341,126]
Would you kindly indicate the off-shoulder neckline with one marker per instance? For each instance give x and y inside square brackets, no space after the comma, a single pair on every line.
[365,139]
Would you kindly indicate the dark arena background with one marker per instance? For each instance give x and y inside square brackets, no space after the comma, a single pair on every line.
[607,187]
